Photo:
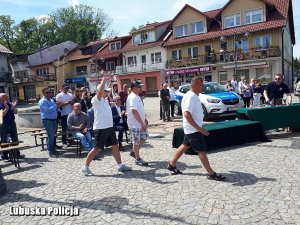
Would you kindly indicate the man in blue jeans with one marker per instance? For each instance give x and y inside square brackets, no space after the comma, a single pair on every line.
[79,125]
[66,100]
[48,110]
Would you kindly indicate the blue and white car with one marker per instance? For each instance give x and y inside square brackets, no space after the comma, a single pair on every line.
[216,100]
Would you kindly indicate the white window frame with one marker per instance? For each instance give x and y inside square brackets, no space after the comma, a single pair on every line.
[156,57]
[195,24]
[177,54]
[115,45]
[192,52]
[221,74]
[261,41]
[110,65]
[251,13]
[234,17]
[242,46]
[185,32]
[133,59]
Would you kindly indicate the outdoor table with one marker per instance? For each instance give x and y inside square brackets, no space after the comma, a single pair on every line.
[272,117]
[223,134]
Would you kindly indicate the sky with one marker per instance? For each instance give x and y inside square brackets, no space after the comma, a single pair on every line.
[125,13]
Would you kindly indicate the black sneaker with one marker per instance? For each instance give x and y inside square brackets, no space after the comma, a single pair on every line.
[141,162]
[132,154]
[217,177]
[174,169]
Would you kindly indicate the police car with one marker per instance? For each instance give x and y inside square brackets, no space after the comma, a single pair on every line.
[216,100]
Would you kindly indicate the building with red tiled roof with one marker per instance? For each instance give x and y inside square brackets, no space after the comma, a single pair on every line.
[254,39]
[144,57]
[108,58]
[75,67]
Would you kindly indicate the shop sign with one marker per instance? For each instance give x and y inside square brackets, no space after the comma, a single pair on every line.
[75,80]
[189,70]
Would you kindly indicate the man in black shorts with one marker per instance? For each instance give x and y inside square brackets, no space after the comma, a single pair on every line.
[103,128]
[193,131]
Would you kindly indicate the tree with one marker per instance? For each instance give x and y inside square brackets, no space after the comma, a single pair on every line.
[296,66]
[133,29]
[6,30]
[80,23]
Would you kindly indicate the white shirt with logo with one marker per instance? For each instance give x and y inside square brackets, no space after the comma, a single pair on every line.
[102,114]
[191,103]
[62,97]
[134,102]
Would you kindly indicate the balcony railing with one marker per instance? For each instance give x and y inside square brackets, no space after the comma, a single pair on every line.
[226,56]
[34,78]
[23,79]
[137,68]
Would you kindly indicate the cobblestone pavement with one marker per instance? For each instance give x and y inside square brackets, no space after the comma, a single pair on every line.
[262,187]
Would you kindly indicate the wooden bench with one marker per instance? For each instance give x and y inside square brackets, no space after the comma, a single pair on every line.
[77,141]
[39,133]
[12,148]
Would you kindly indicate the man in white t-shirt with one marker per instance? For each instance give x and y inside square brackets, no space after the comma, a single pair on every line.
[137,122]
[103,128]
[66,99]
[234,83]
[193,131]
[172,98]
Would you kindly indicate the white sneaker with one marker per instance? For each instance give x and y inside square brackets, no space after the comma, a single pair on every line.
[87,171]
[124,168]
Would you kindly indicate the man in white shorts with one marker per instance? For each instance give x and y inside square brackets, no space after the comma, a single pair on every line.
[193,131]
[137,122]
[103,128]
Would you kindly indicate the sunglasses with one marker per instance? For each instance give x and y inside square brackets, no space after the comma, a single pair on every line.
[48,92]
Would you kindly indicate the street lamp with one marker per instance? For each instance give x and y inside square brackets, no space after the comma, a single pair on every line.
[224,38]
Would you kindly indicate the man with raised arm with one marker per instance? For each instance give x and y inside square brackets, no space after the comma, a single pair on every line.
[103,127]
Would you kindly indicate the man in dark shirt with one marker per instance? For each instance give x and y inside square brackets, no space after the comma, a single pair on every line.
[165,97]
[123,94]
[9,126]
[275,90]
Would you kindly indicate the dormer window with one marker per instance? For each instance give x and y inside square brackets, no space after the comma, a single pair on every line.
[232,20]
[181,30]
[254,16]
[115,45]
[197,27]
[144,37]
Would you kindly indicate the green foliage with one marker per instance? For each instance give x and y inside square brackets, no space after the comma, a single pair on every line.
[80,24]
[296,66]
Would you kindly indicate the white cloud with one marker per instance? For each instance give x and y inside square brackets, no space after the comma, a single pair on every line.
[74,2]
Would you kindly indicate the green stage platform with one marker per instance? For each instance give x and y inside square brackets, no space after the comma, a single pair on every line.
[228,133]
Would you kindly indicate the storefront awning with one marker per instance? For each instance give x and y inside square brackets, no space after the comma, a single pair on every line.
[246,65]
[185,70]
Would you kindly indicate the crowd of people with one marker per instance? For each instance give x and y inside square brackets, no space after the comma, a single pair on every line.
[85,115]
[252,92]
